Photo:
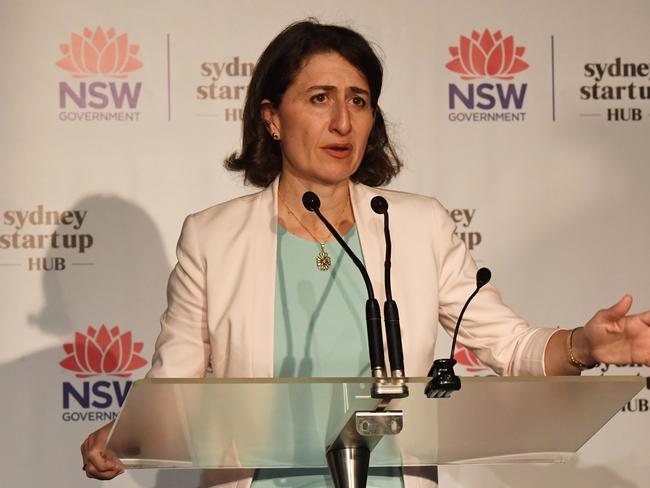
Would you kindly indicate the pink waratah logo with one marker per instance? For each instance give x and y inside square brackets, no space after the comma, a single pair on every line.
[103,352]
[487,55]
[99,53]
[468,359]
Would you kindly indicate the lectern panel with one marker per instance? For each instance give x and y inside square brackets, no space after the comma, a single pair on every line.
[289,422]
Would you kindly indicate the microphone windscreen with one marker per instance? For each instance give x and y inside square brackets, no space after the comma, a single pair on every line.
[379,204]
[311,201]
[483,275]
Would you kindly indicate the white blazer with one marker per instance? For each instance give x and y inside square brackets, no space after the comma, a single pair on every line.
[221,293]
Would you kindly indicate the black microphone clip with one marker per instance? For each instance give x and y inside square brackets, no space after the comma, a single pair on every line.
[443,379]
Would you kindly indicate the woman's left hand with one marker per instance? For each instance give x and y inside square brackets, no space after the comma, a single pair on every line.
[616,338]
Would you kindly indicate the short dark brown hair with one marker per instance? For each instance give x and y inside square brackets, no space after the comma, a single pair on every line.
[260,158]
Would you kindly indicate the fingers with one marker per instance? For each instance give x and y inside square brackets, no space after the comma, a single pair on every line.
[101,466]
[618,310]
[101,462]
[93,472]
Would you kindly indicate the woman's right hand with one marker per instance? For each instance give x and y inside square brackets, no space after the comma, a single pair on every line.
[98,462]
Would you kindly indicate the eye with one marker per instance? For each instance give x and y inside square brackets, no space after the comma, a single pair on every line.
[320,98]
[359,101]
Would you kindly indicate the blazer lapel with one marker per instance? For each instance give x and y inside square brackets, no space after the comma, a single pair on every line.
[262,311]
[371,231]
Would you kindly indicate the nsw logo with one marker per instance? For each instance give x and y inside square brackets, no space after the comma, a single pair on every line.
[99,52]
[103,352]
[486,61]
[99,352]
[468,360]
[487,56]
[101,58]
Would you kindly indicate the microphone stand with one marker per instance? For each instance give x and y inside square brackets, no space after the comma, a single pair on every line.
[443,378]
[348,454]
[373,316]
[391,314]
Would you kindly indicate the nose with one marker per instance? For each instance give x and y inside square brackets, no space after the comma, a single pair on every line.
[340,121]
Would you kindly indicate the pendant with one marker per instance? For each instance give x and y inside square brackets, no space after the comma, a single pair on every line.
[323,260]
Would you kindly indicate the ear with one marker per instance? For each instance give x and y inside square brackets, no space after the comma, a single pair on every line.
[270,117]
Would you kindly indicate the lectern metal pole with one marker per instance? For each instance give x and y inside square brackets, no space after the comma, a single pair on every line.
[349,466]
[348,456]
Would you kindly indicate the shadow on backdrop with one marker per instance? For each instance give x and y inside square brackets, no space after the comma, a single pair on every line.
[119,281]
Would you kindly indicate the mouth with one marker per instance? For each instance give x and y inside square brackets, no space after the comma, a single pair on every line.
[339,151]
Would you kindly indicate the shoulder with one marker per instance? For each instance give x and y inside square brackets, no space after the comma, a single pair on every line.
[404,202]
[229,221]
[229,210]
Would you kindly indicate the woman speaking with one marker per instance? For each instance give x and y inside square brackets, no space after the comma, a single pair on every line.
[262,289]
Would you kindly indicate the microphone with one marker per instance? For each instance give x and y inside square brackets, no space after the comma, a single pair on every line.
[443,378]
[391,315]
[483,276]
[373,318]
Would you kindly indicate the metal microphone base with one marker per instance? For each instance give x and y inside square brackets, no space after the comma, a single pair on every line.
[385,388]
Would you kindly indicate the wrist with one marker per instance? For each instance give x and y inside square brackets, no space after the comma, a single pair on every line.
[579,350]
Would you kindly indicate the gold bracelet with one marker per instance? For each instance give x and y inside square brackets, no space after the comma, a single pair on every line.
[575,362]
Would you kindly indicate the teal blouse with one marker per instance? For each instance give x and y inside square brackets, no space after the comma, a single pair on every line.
[320,330]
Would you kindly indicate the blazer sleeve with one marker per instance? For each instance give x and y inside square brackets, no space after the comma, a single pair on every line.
[183,345]
[500,339]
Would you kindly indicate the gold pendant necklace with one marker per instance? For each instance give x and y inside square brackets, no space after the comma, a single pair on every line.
[323,259]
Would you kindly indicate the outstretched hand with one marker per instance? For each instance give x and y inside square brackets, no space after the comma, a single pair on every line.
[617,338]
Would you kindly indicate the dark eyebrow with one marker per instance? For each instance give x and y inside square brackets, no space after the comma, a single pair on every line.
[330,88]
[361,91]
[327,88]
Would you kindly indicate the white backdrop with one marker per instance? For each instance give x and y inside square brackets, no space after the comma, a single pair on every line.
[556,189]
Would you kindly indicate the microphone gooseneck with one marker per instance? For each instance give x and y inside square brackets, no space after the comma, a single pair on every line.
[312,203]
[391,314]
[373,317]
[380,205]
[443,378]
[483,276]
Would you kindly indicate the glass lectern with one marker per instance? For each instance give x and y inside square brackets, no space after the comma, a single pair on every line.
[282,422]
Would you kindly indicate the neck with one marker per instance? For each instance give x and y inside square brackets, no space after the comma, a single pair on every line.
[334,205]
[333,197]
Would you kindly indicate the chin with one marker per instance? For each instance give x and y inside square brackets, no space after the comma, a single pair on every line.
[335,179]
[337,175]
